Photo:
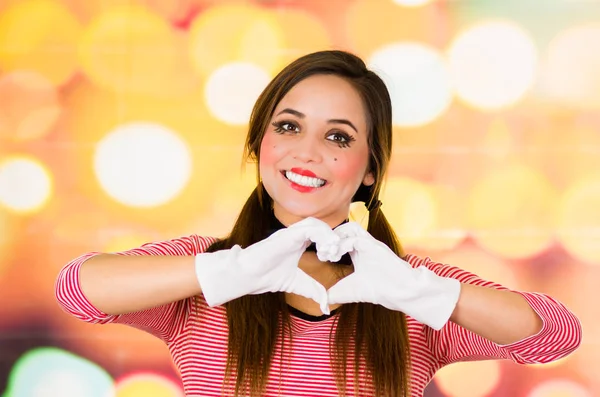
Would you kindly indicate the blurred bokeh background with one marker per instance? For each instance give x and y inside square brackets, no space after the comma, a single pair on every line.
[122,122]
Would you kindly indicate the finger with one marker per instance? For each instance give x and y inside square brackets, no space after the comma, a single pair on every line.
[345,291]
[300,234]
[334,253]
[350,229]
[314,230]
[328,252]
[308,287]
[348,245]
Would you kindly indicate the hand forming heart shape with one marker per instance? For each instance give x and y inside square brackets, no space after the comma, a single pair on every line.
[381,277]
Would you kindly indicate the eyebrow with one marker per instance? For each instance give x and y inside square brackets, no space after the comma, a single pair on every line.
[302,115]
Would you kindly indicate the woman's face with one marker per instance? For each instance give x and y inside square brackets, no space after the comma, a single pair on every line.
[315,152]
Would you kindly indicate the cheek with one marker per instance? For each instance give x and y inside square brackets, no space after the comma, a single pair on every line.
[349,169]
[270,151]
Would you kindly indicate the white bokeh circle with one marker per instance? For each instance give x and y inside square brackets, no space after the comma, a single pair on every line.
[418,80]
[25,184]
[232,90]
[142,164]
[493,64]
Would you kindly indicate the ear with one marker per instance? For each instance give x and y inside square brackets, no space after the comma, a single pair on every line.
[369,179]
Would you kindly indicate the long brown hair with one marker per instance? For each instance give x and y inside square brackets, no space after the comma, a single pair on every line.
[365,334]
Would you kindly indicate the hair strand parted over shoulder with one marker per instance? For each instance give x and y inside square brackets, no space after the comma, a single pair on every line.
[366,334]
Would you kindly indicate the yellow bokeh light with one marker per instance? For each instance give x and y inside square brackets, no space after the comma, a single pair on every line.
[130,49]
[147,385]
[559,388]
[424,216]
[579,219]
[25,184]
[298,42]
[449,229]
[570,69]
[41,36]
[511,211]
[142,164]
[411,208]
[29,106]
[8,231]
[227,200]
[232,90]
[235,33]
[493,64]
[469,379]
[359,214]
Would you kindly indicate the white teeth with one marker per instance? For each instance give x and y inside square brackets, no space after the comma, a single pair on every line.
[304,180]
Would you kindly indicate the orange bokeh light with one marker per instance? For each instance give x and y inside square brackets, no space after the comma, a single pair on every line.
[29,106]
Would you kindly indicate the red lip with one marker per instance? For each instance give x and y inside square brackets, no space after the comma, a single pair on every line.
[303,172]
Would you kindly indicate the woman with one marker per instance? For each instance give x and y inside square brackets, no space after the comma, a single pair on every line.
[297,300]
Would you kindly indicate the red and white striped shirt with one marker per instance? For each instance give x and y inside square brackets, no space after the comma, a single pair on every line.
[196,334]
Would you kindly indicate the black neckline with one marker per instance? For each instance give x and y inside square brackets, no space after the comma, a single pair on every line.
[309,317]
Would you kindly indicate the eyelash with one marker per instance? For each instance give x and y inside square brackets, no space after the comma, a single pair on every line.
[347,138]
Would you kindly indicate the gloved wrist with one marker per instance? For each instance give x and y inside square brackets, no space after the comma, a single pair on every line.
[218,276]
[436,298]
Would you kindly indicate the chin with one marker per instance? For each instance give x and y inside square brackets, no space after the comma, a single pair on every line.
[294,214]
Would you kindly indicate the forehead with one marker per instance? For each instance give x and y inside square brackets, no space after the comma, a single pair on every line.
[325,96]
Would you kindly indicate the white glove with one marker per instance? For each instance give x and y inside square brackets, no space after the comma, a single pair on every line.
[382,278]
[270,265]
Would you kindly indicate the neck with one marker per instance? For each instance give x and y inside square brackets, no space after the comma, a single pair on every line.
[287,219]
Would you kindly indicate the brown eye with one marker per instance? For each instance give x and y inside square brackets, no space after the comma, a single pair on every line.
[341,138]
[285,126]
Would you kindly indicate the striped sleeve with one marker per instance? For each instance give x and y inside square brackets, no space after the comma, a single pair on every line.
[560,334]
[160,321]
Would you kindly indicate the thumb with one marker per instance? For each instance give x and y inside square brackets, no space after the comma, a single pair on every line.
[345,291]
[308,287]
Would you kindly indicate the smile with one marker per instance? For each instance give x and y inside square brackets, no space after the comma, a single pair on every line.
[303,180]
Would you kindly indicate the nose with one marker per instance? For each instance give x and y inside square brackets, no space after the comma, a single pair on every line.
[307,149]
